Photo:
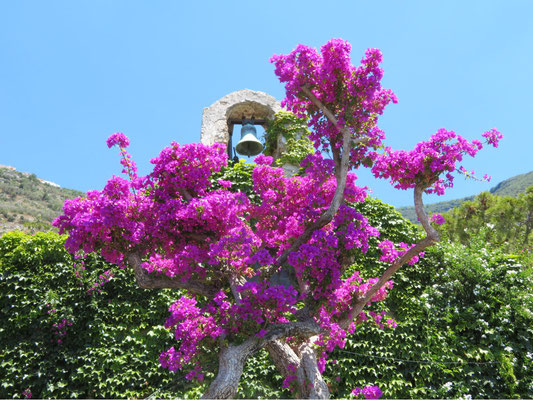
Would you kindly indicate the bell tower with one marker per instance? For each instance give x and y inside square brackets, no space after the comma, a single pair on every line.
[243,107]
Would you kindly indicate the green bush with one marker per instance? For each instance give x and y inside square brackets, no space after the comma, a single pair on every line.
[464,328]
[112,346]
[504,222]
[464,318]
[464,325]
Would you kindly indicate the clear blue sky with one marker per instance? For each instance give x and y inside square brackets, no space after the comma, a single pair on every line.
[73,72]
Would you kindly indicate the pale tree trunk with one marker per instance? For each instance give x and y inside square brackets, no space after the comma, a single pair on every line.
[310,384]
[231,362]
[314,385]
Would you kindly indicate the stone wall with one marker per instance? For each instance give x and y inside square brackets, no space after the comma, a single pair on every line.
[242,103]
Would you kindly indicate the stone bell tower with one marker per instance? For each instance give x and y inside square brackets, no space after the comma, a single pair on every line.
[219,118]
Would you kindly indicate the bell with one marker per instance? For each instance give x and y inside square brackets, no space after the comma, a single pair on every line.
[249,145]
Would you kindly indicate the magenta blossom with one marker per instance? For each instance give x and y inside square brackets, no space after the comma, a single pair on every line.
[437,219]
[269,262]
[263,160]
[493,137]
[370,392]
[118,138]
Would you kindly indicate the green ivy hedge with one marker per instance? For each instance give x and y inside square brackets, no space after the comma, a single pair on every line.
[111,348]
[465,325]
[464,318]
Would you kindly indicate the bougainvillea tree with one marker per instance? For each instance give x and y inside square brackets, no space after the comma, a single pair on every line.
[270,273]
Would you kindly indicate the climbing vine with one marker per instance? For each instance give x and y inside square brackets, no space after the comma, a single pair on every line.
[296,134]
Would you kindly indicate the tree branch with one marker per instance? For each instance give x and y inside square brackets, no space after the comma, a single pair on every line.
[232,358]
[316,101]
[303,365]
[432,236]
[151,281]
[185,194]
[328,113]
[231,362]
[317,387]
[286,360]
[234,282]
[341,171]
[303,329]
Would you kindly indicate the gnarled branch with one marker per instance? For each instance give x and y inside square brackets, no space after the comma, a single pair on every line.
[303,329]
[231,362]
[341,171]
[151,281]
[431,238]
[317,387]
[233,357]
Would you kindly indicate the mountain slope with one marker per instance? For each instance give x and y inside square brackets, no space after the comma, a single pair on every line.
[513,186]
[28,203]
[509,187]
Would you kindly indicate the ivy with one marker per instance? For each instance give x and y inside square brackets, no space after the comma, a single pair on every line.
[295,133]
[240,175]
[465,318]
[112,338]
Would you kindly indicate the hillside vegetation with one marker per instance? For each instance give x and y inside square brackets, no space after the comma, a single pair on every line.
[513,186]
[29,204]
[504,222]
[509,187]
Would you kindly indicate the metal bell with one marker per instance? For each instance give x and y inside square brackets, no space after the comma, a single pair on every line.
[249,145]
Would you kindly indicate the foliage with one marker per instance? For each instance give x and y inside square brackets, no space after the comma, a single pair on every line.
[464,327]
[503,222]
[27,203]
[465,323]
[105,341]
[272,272]
[295,135]
[440,305]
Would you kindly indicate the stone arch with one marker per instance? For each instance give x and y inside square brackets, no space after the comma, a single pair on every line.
[245,102]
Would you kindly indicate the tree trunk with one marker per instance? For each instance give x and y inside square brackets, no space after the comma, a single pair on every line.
[231,361]
[286,361]
[310,384]
[314,386]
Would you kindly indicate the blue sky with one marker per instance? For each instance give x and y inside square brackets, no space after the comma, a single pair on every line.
[73,72]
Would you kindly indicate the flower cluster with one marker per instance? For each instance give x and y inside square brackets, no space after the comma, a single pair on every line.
[369,392]
[59,328]
[379,319]
[187,168]
[354,94]
[342,302]
[260,304]
[391,254]
[289,379]
[118,139]
[493,137]
[437,219]
[265,303]
[190,327]
[428,160]
[102,280]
